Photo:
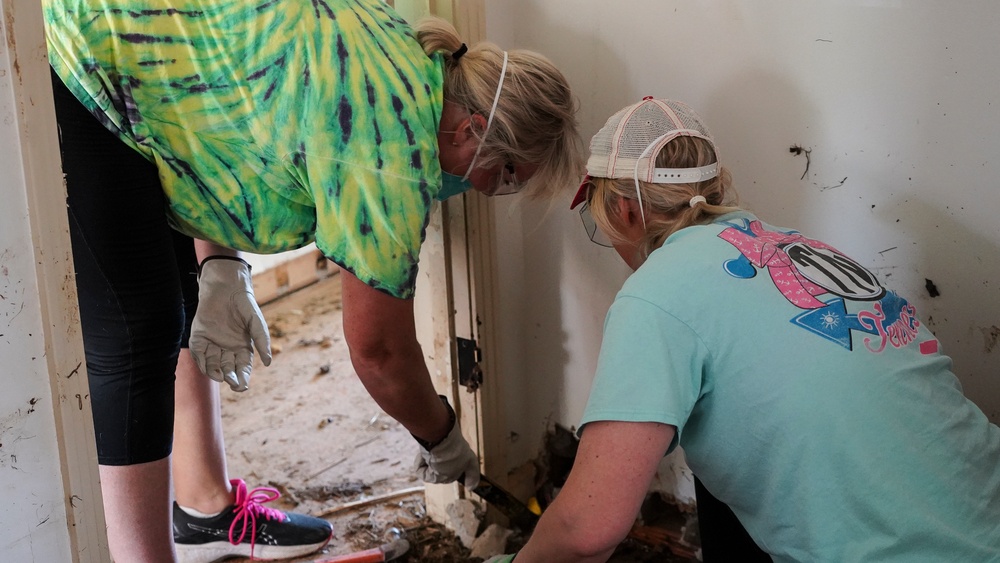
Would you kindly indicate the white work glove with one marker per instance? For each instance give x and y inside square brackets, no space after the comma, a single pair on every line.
[228,323]
[450,459]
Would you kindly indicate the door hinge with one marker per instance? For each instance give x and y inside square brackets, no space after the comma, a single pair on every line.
[470,375]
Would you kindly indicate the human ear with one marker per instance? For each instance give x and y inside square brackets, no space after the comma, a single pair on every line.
[628,212]
[621,212]
[478,123]
[467,129]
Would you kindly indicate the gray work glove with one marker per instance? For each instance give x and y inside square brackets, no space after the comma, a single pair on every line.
[228,323]
[450,459]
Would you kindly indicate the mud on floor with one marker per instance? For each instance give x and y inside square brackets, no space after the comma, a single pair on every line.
[308,428]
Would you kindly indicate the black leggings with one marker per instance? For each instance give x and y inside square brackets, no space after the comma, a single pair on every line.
[137,285]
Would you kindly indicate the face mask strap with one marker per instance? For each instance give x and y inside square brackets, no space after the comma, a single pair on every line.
[489,120]
[635,177]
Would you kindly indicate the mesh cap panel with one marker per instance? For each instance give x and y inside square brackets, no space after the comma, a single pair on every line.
[628,137]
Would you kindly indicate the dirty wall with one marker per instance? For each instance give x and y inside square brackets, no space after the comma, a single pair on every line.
[873,125]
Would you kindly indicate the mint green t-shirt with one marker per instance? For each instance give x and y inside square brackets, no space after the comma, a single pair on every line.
[807,396]
[273,123]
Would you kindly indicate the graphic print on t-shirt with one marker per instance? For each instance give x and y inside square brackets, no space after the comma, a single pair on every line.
[803,270]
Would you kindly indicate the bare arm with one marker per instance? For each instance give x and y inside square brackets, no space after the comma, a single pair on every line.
[203,249]
[381,334]
[596,508]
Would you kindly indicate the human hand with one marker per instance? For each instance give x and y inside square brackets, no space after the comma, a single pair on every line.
[228,323]
[449,460]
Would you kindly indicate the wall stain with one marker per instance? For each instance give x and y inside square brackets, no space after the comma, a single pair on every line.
[799,150]
[11,41]
[824,188]
[991,337]
[932,289]
[12,431]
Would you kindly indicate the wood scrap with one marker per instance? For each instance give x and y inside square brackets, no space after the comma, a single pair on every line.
[662,537]
[370,501]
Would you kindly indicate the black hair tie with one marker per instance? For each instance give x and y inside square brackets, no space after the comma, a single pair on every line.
[460,51]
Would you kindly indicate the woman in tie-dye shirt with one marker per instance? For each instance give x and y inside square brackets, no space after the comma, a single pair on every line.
[263,127]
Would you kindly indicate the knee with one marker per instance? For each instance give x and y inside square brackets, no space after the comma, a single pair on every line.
[134,342]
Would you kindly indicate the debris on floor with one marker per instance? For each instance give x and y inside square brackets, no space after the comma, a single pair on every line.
[308,428]
[493,541]
[663,538]
[464,517]
[664,531]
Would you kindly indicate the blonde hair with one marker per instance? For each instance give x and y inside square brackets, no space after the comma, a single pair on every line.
[667,207]
[535,119]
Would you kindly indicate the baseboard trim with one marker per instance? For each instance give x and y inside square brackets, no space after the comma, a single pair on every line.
[286,277]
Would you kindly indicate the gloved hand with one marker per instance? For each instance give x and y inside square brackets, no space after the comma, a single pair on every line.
[509,558]
[227,322]
[450,459]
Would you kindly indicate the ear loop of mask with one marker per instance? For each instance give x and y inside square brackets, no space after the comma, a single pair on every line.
[635,176]
[489,120]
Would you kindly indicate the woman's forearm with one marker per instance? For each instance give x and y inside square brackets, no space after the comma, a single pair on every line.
[561,536]
[595,510]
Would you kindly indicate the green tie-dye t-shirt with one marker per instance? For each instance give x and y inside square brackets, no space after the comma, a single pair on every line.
[273,123]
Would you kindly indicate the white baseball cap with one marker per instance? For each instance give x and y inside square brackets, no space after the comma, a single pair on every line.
[627,145]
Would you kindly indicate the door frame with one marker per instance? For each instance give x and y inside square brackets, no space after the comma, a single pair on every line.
[455,291]
[48,455]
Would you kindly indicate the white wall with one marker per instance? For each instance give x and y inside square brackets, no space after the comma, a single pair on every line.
[900,98]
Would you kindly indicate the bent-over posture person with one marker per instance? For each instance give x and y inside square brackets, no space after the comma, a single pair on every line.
[808,397]
[262,127]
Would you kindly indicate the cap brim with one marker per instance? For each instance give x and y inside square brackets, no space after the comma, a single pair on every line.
[581,193]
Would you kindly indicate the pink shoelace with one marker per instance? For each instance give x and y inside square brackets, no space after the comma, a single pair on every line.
[248,506]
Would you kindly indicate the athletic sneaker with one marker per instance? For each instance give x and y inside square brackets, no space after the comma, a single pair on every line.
[248,529]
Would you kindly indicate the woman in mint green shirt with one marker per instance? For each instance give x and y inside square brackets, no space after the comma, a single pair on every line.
[808,397]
